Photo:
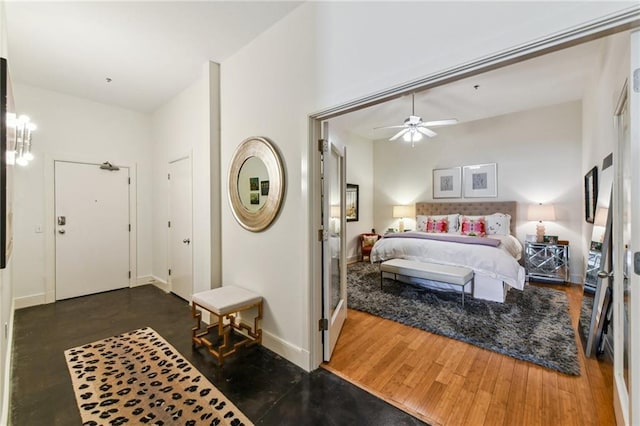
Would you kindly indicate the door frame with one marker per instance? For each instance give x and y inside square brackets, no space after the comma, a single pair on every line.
[605,26]
[49,227]
[187,156]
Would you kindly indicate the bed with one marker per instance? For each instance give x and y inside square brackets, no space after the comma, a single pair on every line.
[494,258]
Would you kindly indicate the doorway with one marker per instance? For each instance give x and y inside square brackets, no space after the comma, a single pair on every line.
[92,228]
[180,248]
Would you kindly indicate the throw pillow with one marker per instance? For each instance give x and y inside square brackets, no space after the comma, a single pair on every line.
[473,227]
[438,226]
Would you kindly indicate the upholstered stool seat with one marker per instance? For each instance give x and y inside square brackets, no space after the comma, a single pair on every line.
[223,303]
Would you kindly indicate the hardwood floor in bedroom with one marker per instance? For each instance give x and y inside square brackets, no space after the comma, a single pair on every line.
[448,382]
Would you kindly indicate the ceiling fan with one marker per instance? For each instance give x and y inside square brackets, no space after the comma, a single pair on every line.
[413,127]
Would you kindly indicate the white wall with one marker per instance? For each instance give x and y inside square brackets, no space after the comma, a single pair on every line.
[75,129]
[324,54]
[359,172]
[538,156]
[599,105]
[183,127]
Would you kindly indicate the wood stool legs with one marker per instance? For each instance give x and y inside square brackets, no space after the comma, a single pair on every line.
[225,323]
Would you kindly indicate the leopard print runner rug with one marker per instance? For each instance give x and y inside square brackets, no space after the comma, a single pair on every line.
[139,378]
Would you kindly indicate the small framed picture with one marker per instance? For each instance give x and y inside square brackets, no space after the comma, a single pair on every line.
[480,181]
[550,239]
[447,183]
[254,184]
[254,197]
[264,187]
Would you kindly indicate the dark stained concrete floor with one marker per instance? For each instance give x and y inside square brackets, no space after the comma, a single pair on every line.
[267,388]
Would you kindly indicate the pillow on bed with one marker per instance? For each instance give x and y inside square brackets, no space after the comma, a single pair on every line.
[472,227]
[437,225]
[498,224]
[421,223]
[452,220]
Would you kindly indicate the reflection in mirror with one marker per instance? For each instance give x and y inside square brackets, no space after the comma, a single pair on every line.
[596,287]
[253,184]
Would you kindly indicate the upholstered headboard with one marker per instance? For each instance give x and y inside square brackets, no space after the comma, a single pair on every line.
[471,208]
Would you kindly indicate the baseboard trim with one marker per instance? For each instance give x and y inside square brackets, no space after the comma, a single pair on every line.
[27,301]
[298,356]
[160,283]
[8,362]
[147,279]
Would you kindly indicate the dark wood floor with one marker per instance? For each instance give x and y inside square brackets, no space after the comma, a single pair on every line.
[448,382]
[267,388]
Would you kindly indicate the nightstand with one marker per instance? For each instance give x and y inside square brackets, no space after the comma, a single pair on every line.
[546,262]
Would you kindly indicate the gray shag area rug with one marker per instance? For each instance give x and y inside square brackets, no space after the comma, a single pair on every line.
[532,325]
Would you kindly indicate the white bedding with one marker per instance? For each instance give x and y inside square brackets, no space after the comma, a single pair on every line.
[500,262]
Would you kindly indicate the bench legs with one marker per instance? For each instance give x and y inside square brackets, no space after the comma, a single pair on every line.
[463,286]
[225,348]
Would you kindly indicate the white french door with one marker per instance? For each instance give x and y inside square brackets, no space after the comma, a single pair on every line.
[92,229]
[180,228]
[334,260]
[626,228]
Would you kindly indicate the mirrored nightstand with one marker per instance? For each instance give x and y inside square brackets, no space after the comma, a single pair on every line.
[546,262]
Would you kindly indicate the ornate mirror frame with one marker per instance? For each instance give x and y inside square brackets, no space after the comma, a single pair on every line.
[263,149]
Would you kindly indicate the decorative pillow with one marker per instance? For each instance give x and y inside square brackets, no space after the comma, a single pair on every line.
[421,223]
[498,224]
[452,221]
[473,227]
[438,226]
[369,241]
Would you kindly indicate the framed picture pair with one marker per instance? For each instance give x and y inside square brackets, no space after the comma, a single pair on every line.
[476,181]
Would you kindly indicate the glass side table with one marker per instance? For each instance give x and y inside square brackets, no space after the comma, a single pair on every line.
[546,262]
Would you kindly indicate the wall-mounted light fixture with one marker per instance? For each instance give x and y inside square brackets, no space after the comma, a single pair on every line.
[19,151]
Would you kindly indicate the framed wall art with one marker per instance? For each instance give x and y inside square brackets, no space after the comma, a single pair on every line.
[447,183]
[352,202]
[590,194]
[480,181]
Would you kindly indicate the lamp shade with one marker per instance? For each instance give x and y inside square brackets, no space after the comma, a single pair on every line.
[402,211]
[335,210]
[541,212]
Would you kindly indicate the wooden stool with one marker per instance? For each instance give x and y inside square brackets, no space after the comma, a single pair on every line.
[224,303]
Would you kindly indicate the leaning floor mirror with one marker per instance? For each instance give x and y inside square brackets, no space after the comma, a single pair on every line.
[597,283]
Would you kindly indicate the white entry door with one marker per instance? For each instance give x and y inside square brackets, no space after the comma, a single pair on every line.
[180,228]
[92,229]
[626,226]
[334,260]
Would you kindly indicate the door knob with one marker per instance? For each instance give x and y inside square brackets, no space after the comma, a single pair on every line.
[605,274]
[61,231]
[186,241]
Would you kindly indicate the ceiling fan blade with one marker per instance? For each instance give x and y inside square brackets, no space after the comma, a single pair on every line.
[400,133]
[440,122]
[390,127]
[426,132]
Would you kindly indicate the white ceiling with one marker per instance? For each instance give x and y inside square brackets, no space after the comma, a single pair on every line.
[546,80]
[150,49]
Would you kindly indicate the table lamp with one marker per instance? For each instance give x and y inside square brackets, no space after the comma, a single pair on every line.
[541,212]
[400,212]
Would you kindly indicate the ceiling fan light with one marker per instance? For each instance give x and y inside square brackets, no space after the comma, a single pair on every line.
[407,136]
[417,136]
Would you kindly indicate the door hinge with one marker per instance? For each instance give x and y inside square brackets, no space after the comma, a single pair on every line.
[169,176]
[323,145]
[323,235]
[323,324]
[169,224]
[129,227]
[169,272]
[636,80]
[129,180]
[129,274]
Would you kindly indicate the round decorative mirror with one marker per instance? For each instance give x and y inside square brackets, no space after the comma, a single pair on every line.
[256,183]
